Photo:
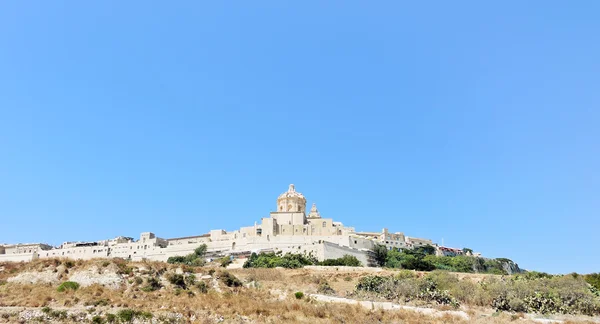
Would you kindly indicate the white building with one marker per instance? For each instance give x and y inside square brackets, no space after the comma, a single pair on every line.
[288,229]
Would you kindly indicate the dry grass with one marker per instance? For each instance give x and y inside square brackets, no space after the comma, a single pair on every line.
[233,305]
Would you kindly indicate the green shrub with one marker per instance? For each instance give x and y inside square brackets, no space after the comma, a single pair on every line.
[190,279]
[370,283]
[111,318]
[152,284]
[46,310]
[299,295]
[138,280]
[346,260]
[225,261]
[431,292]
[177,280]
[202,287]
[59,315]
[193,259]
[325,288]
[126,315]
[593,279]
[97,319]
[69,264]
[229,279]
[405,274]
[272,260]
[67,285]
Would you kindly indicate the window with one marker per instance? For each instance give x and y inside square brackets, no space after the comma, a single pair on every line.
[355,242]
[324,224]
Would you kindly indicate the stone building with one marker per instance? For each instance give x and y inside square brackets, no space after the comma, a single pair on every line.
[288,229]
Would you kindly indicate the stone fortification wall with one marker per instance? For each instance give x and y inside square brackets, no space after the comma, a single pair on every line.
[334,251]
[80,252]
[295,244]
[18,257]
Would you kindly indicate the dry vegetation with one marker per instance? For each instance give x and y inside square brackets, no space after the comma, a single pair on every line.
[160,292]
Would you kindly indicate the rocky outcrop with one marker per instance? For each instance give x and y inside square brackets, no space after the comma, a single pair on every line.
[105,277]
[510,267]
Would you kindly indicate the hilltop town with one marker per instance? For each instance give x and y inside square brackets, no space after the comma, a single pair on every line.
[290,228]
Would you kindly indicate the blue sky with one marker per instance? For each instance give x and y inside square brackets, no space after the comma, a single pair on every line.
[473,122]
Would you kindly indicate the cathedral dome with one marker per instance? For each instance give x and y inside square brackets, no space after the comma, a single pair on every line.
[291,193]
[291,201]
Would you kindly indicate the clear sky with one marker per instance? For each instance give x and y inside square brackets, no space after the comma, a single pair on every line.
[474,122]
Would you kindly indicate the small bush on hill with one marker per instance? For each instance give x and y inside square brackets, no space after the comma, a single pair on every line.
[152,284]
[225,261]
[111,318]
[325,288]
[67,285]
[346,260]
[128,315]
[192,259]
[202,287]
[229,279]
[593,279]
[407,288]
[177,280]
[272,260]
[299,295]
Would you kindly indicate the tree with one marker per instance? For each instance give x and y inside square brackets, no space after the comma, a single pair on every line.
[381,252]
[468,251]
[200,251]
[427,249]
[192,259]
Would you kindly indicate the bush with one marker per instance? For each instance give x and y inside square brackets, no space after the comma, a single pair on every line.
[152,284]
[67,285]
[406,288]
[127,315]
[272,260]
[431,292]
[325,288]
[405,274]
[299,295]
[230,280]
[370,283]
[59,315]
[202,287]
[346,260]
[593,279]
[193,259]
[225,261]
[177,280]
[111,318]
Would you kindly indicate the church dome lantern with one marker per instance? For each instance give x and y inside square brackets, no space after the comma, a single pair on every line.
[291,201]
